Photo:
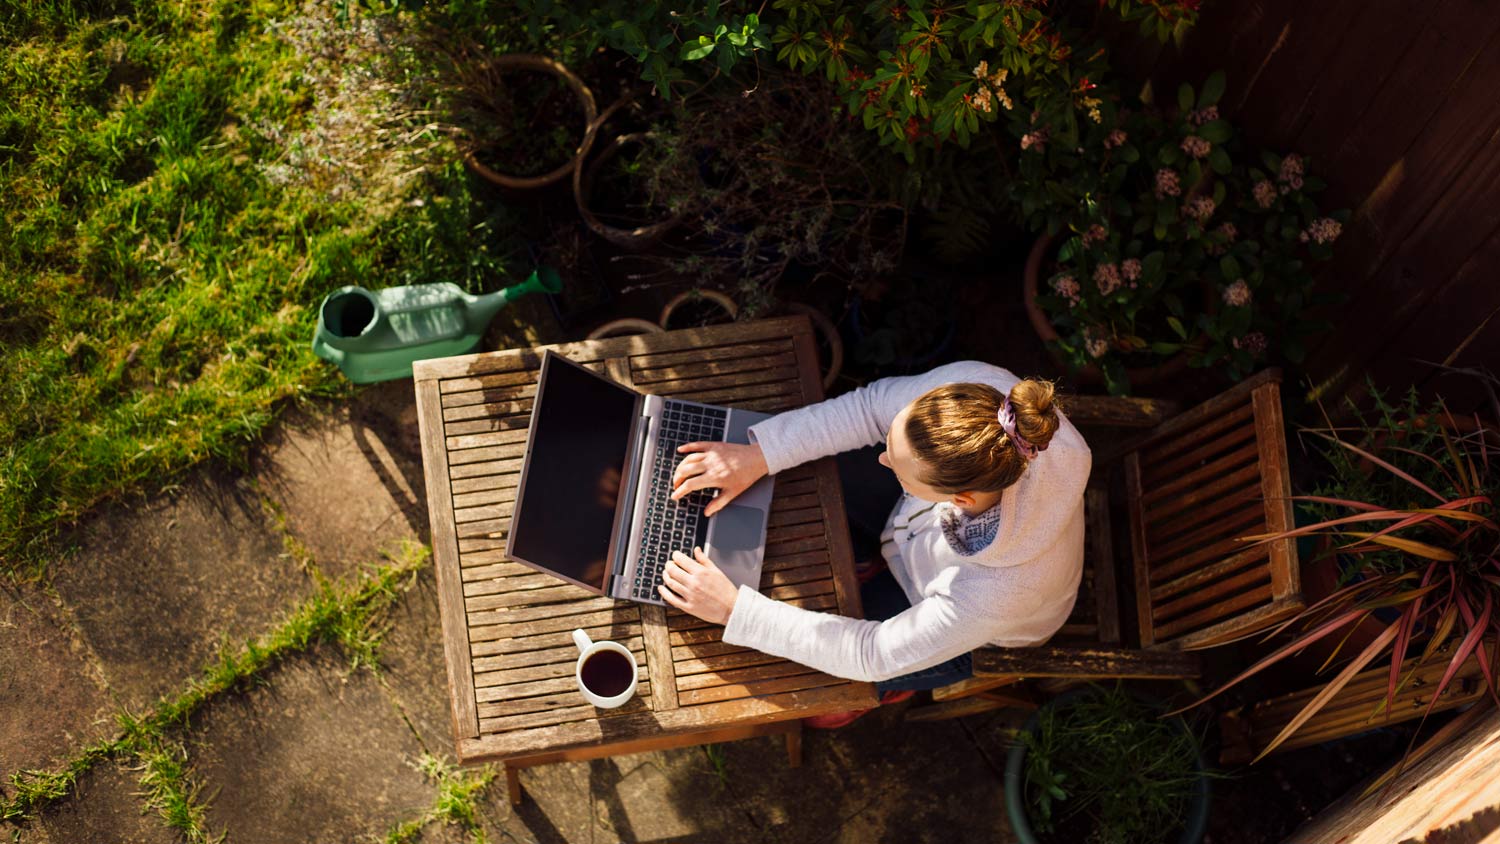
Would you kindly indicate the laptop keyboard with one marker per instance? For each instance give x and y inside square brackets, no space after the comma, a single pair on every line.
[673,525]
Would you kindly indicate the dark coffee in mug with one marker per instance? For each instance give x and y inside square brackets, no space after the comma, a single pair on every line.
[607,672]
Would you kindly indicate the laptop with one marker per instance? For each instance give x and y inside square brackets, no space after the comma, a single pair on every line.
[593,506]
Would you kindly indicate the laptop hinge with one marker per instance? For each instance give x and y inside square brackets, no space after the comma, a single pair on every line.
[635,460]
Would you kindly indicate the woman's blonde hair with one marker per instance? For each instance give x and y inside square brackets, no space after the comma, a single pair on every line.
[955,431]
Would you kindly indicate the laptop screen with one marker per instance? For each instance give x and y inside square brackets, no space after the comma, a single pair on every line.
[577,446]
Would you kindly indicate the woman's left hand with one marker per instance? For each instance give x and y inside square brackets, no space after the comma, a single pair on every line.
[696,586]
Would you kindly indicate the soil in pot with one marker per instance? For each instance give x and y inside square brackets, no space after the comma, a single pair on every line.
[621,193]
[524,123]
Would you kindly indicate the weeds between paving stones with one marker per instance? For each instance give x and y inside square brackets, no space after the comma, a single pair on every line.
[170,790]
[454,803]
[350,615]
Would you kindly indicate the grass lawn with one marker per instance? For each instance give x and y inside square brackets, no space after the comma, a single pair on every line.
[184,180]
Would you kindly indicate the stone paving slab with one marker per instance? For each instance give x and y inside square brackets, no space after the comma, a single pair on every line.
[349,481]
[52,697]
[155,585]
[412,667]
[314,754]
[878,774]
[104,809]
[673,795]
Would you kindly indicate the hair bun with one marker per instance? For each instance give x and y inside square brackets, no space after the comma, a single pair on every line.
[1035,403]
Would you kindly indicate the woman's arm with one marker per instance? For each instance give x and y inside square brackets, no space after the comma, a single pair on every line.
[936,629]
[854,420]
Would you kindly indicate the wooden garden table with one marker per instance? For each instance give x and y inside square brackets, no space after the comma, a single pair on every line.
[507,628]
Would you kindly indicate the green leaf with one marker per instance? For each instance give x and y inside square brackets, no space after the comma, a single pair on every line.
[1164,349]
[692,52]
[1230,268]
[1185,98]
[1215,131]
[1213,89]
[1129,154]
[1177,327]
[1218,160]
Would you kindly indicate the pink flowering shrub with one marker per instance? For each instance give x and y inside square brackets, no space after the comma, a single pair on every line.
[1170,239]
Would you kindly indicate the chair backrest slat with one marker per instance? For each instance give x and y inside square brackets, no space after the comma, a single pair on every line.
[1195,486]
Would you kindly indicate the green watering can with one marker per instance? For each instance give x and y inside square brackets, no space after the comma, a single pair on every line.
[377,336]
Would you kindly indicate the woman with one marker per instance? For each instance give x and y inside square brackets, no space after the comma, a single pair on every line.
[984,544]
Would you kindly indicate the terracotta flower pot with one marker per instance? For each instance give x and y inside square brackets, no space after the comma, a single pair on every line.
[540,64]
[1031,283]
[723,303]
[633,239]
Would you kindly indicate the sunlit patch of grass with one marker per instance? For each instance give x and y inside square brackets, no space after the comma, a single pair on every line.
[184,181]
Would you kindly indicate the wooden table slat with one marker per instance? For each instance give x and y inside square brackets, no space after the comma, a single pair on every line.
[783,363]
[563,655]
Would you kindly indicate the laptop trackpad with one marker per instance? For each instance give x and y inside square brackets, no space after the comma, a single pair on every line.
[737,543]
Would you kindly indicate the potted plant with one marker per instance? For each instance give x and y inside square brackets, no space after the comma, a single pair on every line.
[1100,766]
[614,190]
[775,181]
[522,120]
[1409,503]
[1159,250]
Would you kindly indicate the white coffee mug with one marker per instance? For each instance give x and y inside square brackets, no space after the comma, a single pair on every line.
[588,648]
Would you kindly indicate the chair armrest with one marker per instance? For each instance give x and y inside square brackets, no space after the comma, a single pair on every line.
[1118,411]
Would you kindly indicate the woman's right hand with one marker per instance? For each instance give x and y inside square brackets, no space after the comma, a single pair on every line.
[728,467]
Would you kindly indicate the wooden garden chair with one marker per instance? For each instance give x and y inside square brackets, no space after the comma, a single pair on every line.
[1194,483]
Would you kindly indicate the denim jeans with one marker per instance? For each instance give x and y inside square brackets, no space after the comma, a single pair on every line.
[870,493]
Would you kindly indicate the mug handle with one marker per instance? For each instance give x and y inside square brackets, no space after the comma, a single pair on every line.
[582,640]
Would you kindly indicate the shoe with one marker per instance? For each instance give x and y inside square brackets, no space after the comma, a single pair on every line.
[835,720]
[865,570]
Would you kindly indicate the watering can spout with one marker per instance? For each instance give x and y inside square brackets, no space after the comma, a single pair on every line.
[543,280]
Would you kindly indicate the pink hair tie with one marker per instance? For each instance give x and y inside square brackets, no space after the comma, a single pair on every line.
[1007,418]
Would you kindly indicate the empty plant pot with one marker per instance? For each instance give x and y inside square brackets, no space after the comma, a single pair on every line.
[516,63]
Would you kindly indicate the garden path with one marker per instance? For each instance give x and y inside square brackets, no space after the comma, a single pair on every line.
[307,748]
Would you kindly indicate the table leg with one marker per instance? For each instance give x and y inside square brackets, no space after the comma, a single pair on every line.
[794,746]
[513,785]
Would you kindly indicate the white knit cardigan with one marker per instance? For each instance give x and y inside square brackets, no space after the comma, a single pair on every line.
[1016,591]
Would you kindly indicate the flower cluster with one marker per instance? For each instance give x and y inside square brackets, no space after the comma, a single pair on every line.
[1095,342]
[1131,269]
[984,98]
[1290,176]
[1095,234]
[1196,146]
[1107,276]
[1322,230]
[1237,295]
[1198,117]
[1198,208]
[1264,192]
[1253,342]
[1167,183]
[1066,287]
[1035,140]
[1115,138]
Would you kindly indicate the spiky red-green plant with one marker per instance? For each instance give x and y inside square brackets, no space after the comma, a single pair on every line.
[1413,509]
